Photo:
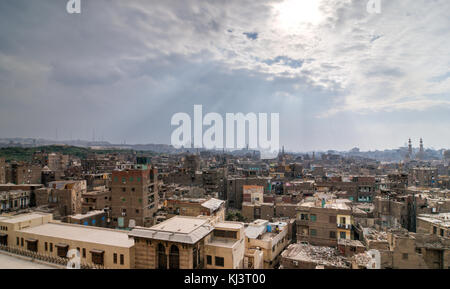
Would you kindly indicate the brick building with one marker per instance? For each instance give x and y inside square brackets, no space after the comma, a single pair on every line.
[323,223]
[134,197]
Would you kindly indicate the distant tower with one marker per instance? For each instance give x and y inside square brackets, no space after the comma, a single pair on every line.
[421,151]
[408,156]
[410,148]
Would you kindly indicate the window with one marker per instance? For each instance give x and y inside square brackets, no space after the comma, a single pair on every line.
[333,219]
[21,242]
[343,220]
[133,189]
[51,247]
[434,230]
[97,257]
[84,252]
[122,259]
[332,235]
[115,258]
[313,232]
[17,241]
[313,218]
[442,233]
[405,256]
[304,217]
[124,190]
[343,235]
[46,246]
[208,260]
[220,262]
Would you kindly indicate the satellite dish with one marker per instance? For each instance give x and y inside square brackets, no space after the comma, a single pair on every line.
[132,224]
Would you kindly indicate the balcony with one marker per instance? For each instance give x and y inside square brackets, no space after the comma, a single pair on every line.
[344,226]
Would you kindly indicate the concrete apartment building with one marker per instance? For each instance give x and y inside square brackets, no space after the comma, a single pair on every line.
[225,247]
[134,197]
[434,224]
[97,246]
[63,196]
[423,177]
[91,218]
[195,207]
[323,223]
[234,189]
[270,238]
[24,173]
[14,200]
[99,199]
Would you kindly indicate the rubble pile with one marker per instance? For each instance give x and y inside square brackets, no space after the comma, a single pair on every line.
[320,255]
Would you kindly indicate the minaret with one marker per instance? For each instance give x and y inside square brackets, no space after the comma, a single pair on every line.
[410,148]
[408,156]
[421,151]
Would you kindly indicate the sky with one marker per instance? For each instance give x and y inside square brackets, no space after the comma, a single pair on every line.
[339,76]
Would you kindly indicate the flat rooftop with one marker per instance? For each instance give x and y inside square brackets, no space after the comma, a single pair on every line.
[229,225]
[22,218]
[87,215]
[82,234]
[12,262]
[334,205]
[180,224]
[442,219]
[180,229]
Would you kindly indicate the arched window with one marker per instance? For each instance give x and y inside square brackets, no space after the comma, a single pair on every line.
[162,258]
[174,258]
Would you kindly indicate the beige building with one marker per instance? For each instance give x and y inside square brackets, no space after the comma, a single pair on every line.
[225,248]
[434,224]
[323,223]
[270,238]
[178,243]
[253,194]
[194,207]
[97,246]
[184,242]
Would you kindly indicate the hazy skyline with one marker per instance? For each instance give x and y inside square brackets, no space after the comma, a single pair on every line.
[339,76]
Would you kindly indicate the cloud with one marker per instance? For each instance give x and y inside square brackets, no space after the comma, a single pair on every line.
[124,67]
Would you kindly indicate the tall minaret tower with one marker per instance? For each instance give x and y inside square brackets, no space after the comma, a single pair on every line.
[421,151]
[408,156]
[410,148]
